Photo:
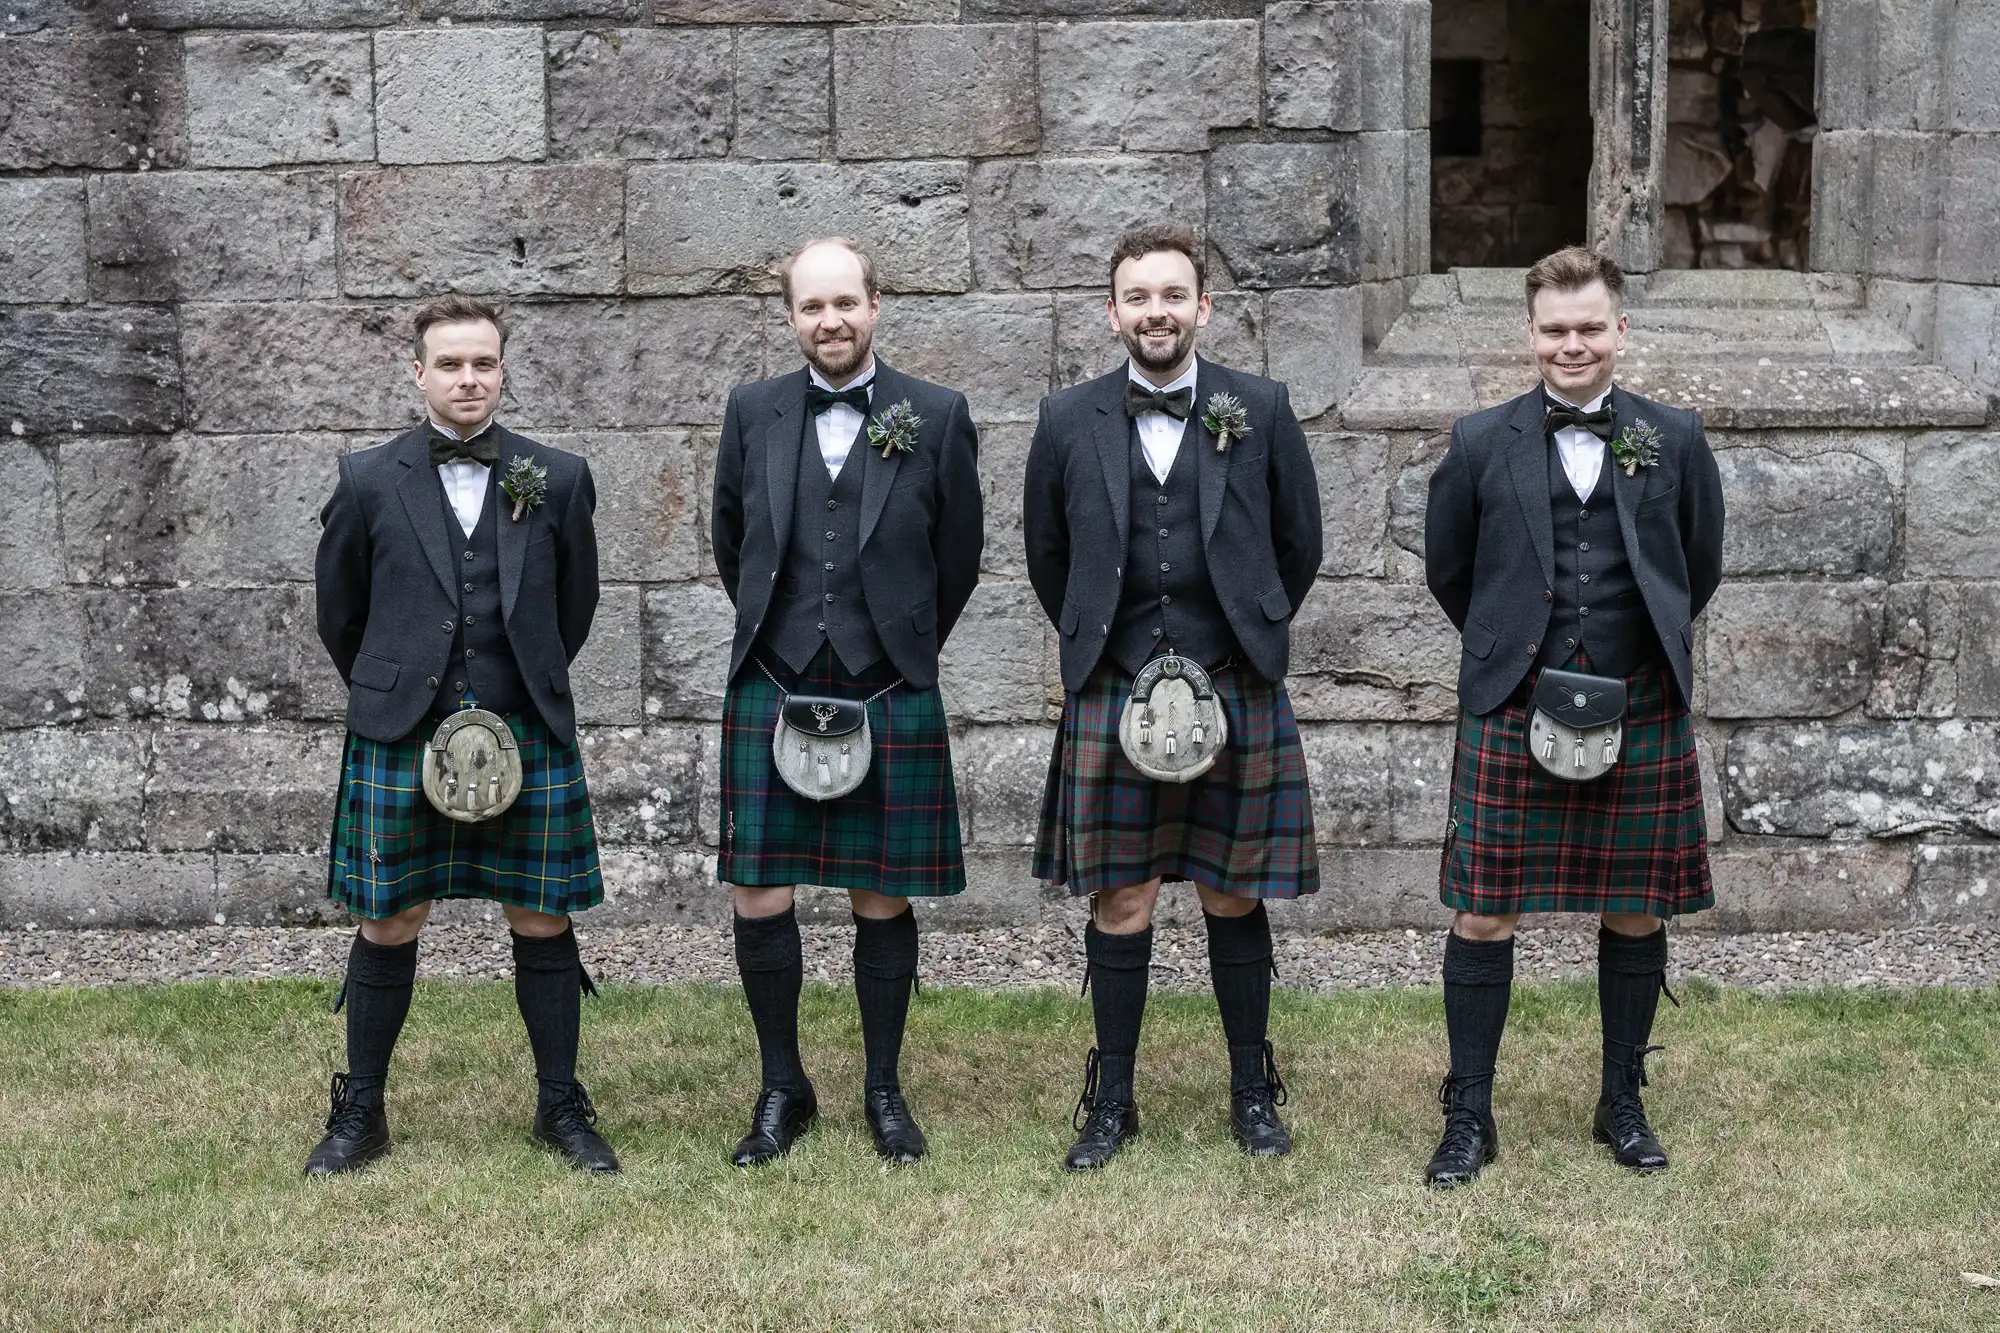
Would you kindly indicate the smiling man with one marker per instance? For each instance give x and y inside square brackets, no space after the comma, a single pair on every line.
[847,531]
[1573,535]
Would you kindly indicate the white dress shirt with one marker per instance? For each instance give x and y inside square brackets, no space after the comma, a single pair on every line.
[1582,453]
[464,481]
[840,425]
[1159,434]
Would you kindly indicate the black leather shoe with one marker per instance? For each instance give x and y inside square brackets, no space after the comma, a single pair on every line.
[568,1126]
[1253,1113]
[1470,1141]
[355,1135]
[897,1136]
[1108,1127]
[782,1115]
[1621,1122]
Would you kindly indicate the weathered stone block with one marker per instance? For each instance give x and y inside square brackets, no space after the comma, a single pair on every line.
[1086,346]
[605,675]
[1420,759]
[622,364]
[242,789]
[1003,462]
[1967,334]
[1918,674]
[1956,885]
[103,891]
[1315,341]
[1370,888]
[30,542]
[198,654]
[1351,66]
[1000,890]
[88,370]
[62,789]
[805,11]
[280,889]
[1363,650]
[1002,624]
[784,93]
[234,510]
[1877,202]
[1347,766]
[1146,87]
[943,90]
[1792,649]
[650,502]
[42,241]
[459,95]
[1353,473]
[689,631]
[271,99]
[995,349]
[102,101]
[211,235]
[1781,884]
[1978,675]
[1828,514]
[723,227]
[1395,192]
[1972,96]
[173,15]
[515,231]
[1051,222]
[1948,526]
[542,10]
[1286,214]
[286,366]
[1000,772]
[1409,495]
[1879,66]
[645,783]
[41,639]
[1966,252]
[1876,780]
[660,885]
[637,93]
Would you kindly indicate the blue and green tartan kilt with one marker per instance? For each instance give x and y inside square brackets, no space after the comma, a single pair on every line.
[393,850]
[1634,840]
[1243,828]
[896,834]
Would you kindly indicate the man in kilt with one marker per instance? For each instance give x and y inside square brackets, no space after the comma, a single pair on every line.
[847,531]
[1149,533]
[454,575]
[1578,527]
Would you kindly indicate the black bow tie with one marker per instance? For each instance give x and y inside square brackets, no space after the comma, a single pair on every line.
[481,448]
[1598,423]
[1140,400]
[854,395]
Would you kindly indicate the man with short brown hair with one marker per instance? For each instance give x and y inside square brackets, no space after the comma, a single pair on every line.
[1572,537]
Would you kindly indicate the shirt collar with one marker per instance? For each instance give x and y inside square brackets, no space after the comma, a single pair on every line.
[865,379]
[451,434]
[1183,381]
[1591,406]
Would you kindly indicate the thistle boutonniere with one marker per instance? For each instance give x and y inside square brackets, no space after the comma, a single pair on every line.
[895,431]
[1637,446]
[525,484]
[1228,418]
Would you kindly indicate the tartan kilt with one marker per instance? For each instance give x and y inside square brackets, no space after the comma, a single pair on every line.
[1243,828]
[1634,840]
[393,850]
[896,834]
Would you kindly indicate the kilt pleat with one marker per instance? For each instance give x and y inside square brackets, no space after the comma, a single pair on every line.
[1243,828]
[896,834]
[1634,840]
[392,849]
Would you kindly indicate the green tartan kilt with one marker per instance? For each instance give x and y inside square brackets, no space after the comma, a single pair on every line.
[393,850]
[896,834]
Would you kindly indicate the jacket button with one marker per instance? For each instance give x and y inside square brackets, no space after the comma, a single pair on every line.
[829,597]
[1534,648]
[432,683]
[468,654]
[1166,600]
[829,564]
[458,685]
[470,588]
[446,627]
[1548,595]
[1583,610]
[468,557]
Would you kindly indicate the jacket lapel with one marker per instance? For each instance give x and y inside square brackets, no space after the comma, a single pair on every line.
[1211,468]
[1113,433]
[1626,490]
[878,474]
[513,537]
[1528,465]
[781,443]
[424,504]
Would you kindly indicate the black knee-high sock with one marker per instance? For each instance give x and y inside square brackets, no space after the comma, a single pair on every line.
[548,988]
[885,962]
[1120,966]
[1239,963]
[1478,985]
[380,979]
[771,960]
[1630,972]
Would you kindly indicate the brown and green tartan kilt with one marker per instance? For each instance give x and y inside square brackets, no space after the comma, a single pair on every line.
[1634,840]
[1243,828]
[393,850]
[896,834]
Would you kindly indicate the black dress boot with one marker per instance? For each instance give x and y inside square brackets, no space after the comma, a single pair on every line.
[897,1135]
[1254,1101]
[566,1124]
[1631,977]
[1471,1139]
[356,1134]
[1621,1122]
[1103,1124]
[781,1115]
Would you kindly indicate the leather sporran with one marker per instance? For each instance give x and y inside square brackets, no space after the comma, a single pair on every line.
[1173,726]
[1576,724]
[822,746]
[472,767]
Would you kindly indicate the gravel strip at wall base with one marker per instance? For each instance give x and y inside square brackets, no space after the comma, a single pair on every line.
[1046,955]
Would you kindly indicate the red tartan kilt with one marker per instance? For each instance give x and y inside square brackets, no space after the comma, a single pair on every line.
[1634,840]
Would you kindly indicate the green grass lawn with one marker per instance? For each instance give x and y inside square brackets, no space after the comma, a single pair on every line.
[1835,1161]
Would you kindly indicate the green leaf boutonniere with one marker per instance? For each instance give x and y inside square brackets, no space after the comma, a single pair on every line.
[1637,446]
[1228,418]
[896,429]
[526,485]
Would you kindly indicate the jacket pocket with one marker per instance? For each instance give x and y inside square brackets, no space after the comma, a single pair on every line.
[923,617]
[1070,617]
[559,679]
[1274,604]
[905,478]
[1653,504]
[1687,636]
[374,673]
[1477,638]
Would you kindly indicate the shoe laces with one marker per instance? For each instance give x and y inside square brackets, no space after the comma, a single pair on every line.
[571,1111]
[890,1108]
[765,1117]
[346,1117]
[1464,1127]
[1268,1092]
[1086,1105]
